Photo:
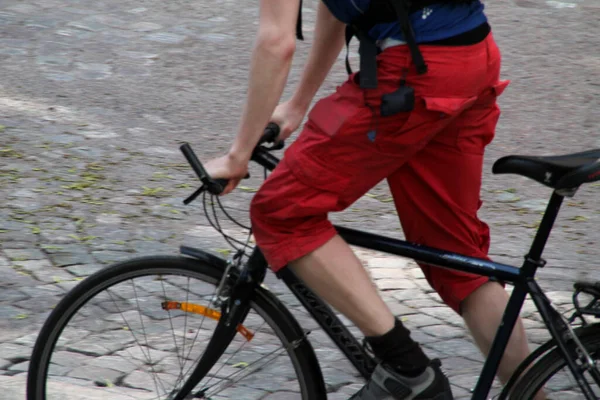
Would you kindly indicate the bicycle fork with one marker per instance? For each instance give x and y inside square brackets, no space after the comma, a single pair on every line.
[575,354]
[234,311]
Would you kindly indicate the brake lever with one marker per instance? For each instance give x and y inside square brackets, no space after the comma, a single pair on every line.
[194,195]
[277,146]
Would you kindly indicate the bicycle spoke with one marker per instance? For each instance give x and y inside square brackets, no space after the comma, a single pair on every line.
[231,356]
[172,327]
[245,372]
[148,358]
[185,315]
[182,374]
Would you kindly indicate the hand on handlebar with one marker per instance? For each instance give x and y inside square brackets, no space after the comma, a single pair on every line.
[288,116]
[228,168]
[221,175]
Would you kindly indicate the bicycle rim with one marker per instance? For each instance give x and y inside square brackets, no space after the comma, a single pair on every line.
[114,334]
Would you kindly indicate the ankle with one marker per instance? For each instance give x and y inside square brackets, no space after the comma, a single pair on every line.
[397,350]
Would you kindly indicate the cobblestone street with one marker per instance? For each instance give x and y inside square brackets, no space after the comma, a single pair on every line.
[97,95]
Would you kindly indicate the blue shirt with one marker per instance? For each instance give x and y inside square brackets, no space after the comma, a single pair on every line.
[435,22]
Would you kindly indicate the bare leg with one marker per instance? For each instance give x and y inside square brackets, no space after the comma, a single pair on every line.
[335,273]
[482,312]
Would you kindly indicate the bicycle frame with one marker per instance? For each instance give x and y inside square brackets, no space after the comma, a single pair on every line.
[522,279]
[253,273]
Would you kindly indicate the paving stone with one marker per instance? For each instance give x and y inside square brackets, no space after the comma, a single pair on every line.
[35,305]
[66,259]
[84,270]
[443,331]
[5,363]
[20,367]
[95,374]
[420,320]
[117,363]
[410,294]
[32,266]
[94,348]
[27,340]
[24,254]
[107,256]
[387,263]
[7,311]
[337,396]
[14,352]
[12,295]
[52,275]
[283,395]
[10,276]
[334,378]
[165,37]
[145,26]
[426,302]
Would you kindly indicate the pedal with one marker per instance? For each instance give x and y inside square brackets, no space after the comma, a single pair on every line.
[592,288]
[593,303]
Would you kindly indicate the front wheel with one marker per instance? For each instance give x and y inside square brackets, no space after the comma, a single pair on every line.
[137,329]
[553,375]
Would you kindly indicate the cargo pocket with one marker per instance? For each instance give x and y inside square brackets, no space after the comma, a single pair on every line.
[430,116]
[330,114]
[478,128]
[448,107]
[321,185]
[499,87]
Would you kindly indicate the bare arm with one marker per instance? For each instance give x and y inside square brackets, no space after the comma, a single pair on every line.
[327,44]
[271,61]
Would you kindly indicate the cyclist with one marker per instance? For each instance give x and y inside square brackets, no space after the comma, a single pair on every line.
[423,131]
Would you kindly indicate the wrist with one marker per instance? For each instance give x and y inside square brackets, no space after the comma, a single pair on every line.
[239,156]
[300,102]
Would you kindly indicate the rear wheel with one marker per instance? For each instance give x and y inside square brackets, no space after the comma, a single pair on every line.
[137,329]
[552,373]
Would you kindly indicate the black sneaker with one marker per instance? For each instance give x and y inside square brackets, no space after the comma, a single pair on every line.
[387,384]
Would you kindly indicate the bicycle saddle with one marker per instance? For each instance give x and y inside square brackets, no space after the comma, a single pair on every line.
[567,171]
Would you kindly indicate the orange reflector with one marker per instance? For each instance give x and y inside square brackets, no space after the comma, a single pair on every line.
[208,312]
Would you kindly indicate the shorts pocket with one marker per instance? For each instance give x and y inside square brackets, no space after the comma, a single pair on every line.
[320,189]
[499,87]
[331,113]
[448,106]
[478,128]
[430,116]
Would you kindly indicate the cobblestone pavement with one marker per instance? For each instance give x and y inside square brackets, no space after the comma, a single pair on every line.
[96,95]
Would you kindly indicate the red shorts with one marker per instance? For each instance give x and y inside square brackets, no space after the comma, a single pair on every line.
[432,158]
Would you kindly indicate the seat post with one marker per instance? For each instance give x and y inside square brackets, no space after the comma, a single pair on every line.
[533,259]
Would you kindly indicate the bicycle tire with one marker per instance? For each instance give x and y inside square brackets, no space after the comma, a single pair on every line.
[279,319]
[552,362]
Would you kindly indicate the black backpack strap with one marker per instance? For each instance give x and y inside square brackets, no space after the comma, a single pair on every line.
[367,50]
[402,12]
[299,34]
[382,11]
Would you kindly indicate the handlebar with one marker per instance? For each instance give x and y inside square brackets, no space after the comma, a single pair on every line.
[260,154]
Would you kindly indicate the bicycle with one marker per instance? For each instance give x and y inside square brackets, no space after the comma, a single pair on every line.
[237,297]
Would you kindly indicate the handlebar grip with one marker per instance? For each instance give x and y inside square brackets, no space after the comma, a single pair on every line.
[271,132]
[190,156]
[218,186]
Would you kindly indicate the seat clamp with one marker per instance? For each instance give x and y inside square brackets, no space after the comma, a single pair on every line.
[567,192]
[541,263]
